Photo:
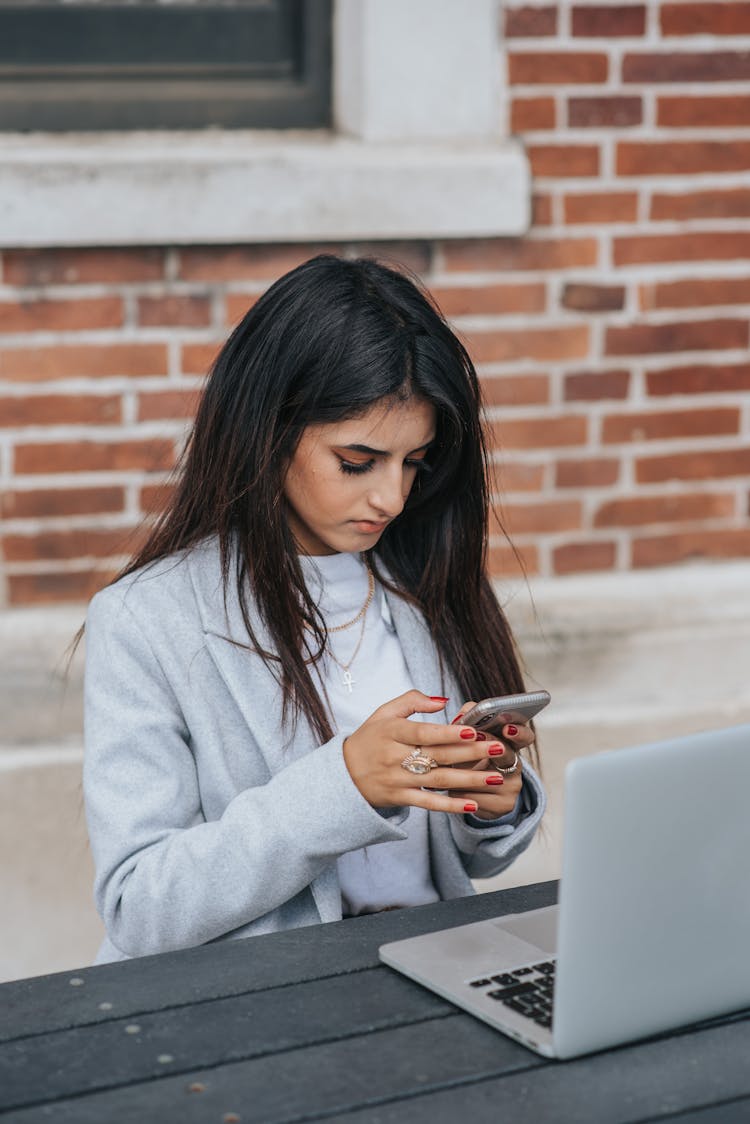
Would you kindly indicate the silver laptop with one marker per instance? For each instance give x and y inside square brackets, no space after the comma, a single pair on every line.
[652,930]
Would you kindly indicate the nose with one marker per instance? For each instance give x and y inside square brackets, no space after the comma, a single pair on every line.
[389,496]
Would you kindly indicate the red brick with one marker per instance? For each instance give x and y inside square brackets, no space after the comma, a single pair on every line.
[608,21]
[512,562]
[38,315]
[410,256]
[594,472]
[541,210]
[511,344]
[712,18]
[582,557]
[705,464]
[696,335]
[515,390]
[490,300]
[540,433]
[703,112]
[667,425]
[595,386]
[167,404]
[63,545]
[714,245]
[663,550]
[241,263]
[598,207]
[560,160]
[154,497]
[80,267]
[56,502]
[60,585]
[518,476]
[198,358]
[557,68]
[593,298]
[541,518]
[715,204]
[699,380]
[529,22]
[150,455]
[686,66]
[174,311]
[695,293]
[642,510]
[615,111]
[660,158]
[60,409]
[543,254]
[237,305]
[38,364]
[527,114]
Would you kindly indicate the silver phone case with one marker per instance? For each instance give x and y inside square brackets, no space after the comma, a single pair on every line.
[495,713]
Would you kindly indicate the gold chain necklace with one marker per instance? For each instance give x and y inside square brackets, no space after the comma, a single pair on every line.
[363,611]
[347,678]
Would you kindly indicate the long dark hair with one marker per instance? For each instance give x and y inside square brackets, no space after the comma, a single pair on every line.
[324,343]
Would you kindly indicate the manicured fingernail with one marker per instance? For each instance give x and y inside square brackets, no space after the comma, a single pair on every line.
[456,719]
[480,737]
[470,807]
[439,698]
[494,779]
[495,750]
[466,734]
[511,731]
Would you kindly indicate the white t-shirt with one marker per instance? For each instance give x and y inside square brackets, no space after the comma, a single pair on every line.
[385,874]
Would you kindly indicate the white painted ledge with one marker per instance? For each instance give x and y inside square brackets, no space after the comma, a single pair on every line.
[216,187]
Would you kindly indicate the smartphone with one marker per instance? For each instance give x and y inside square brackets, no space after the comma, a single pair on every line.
[491,715]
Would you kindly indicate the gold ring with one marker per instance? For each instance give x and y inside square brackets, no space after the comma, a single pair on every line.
[418,761]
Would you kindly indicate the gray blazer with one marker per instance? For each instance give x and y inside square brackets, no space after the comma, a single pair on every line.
[207,818]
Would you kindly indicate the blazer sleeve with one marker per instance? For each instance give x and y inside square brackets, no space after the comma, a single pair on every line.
[167,878]
[487,847]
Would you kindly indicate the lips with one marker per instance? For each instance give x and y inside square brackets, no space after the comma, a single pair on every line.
[369,525]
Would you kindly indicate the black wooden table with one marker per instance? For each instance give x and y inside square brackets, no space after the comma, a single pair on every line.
[307,1025]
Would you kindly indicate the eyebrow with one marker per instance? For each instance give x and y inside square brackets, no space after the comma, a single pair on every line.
[381,452]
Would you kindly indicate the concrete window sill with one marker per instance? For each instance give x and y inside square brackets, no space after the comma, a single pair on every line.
[218,187]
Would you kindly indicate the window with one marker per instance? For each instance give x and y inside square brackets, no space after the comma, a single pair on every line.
[150,65]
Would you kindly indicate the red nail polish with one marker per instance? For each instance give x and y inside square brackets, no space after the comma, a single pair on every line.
[495,750]
[466,734]
[439,698]
[480,737]
[511,731]
[494,779]
[456,719]
[470,807]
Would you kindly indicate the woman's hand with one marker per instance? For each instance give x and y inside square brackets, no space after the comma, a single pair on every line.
[375,752]
[497,799]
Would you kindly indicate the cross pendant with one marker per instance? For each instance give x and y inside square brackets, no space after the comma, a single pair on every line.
[348,680]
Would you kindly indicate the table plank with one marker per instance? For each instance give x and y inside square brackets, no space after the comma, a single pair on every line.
[440,1070]
[302,1084]
[45,1003]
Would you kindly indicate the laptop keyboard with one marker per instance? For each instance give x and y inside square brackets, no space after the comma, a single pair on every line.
[528,991]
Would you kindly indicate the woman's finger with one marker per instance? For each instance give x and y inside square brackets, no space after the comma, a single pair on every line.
[440,801]
[520,736]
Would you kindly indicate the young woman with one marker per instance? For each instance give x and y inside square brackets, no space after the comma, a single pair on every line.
[269,683]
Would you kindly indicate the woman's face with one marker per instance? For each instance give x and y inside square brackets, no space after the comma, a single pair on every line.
[347,480]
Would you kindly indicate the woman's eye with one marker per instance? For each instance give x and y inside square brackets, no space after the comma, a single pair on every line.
[354,469]
[421,464]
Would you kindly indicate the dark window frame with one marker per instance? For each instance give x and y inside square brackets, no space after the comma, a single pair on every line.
[151,66]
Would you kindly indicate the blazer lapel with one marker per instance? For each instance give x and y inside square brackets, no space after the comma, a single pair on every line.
[245,673]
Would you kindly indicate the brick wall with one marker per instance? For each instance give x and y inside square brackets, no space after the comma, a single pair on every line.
[612,340]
